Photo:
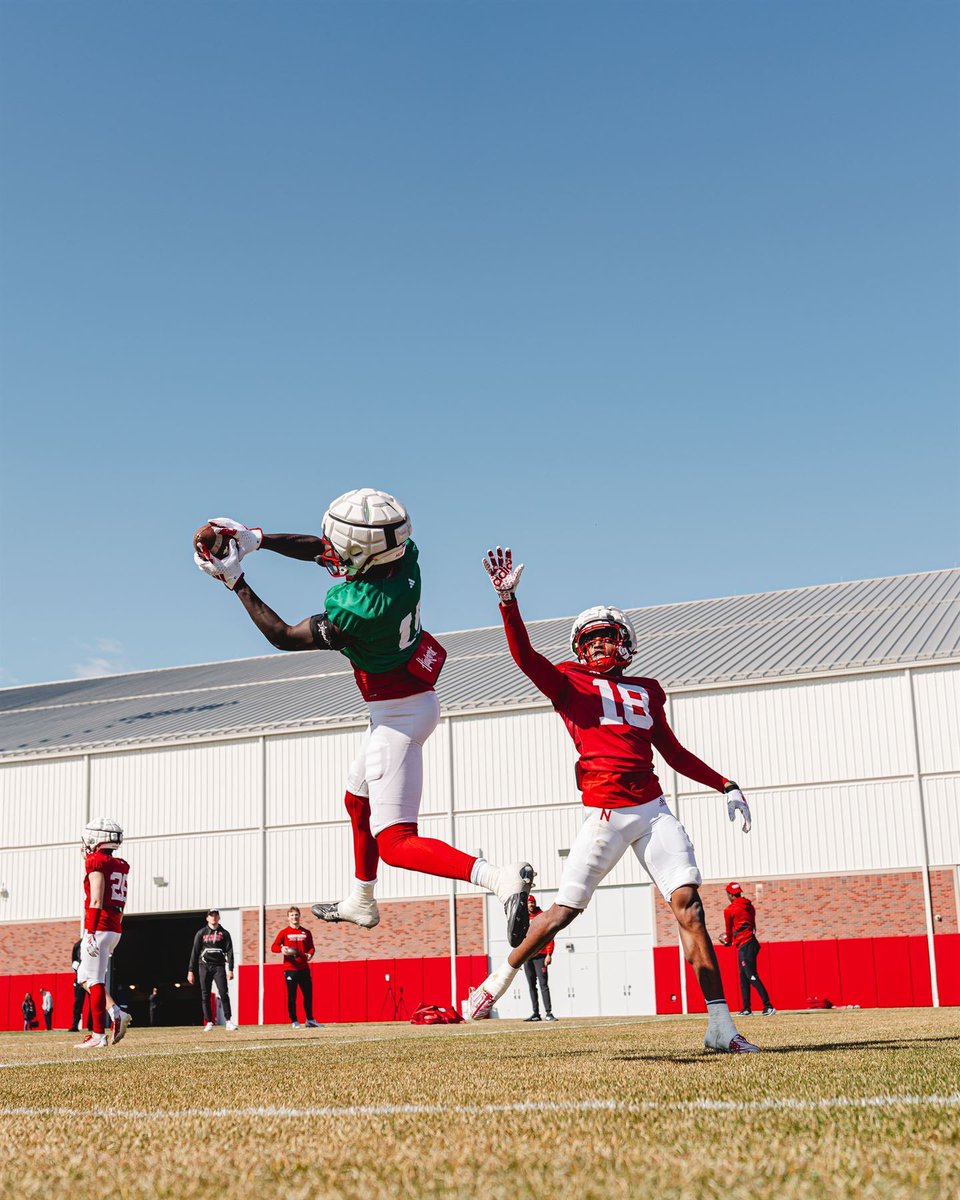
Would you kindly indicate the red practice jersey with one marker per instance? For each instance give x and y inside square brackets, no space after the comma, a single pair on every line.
[300,940]
[740,920]
[115,871]
[615,722]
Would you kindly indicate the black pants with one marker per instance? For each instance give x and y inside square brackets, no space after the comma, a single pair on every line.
[214,973]
[534,969]
[747,958]
[48,1018]
[79,996]
[299,979]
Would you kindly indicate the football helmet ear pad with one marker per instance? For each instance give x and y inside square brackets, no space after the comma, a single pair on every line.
[611,621]
[362,529]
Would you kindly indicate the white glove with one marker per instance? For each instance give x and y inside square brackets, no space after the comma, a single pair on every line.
[247,540]
[736,803]
[228,570]
[90,945]
[503,575]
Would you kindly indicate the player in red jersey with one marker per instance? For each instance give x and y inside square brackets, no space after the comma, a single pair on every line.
[615,721]
[105,894]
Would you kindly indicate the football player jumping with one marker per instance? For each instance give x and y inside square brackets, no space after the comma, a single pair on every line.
[105,894]
[615,721]
[372,617]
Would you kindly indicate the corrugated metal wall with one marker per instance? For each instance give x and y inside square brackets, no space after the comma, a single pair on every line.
[830,767]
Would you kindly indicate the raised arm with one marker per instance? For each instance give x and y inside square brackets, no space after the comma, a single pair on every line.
[504,576]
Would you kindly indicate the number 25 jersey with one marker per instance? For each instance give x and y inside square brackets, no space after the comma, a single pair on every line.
[115,871]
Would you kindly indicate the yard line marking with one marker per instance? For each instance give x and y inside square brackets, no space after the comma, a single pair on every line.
[528,1106]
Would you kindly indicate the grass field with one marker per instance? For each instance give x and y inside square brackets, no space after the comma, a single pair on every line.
[855,1104]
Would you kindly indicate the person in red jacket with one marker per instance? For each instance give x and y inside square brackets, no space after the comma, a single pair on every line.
[740,922]
[616,722]
[535,970]
[296,945]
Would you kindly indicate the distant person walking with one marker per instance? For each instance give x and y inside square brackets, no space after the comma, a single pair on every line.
[296,945]
[154,1005]
[740,922]
[212,960]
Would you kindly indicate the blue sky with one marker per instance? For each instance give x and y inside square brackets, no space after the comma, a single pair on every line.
[665,295]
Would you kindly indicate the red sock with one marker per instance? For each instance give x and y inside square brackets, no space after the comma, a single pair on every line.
[401,846]
[366,856]
[98,1007]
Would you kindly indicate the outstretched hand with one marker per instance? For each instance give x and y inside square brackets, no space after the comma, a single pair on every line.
[503,574]
[228,570]
[248,539]
[736,803]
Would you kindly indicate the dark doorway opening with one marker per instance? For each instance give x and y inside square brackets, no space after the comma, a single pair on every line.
[154,952]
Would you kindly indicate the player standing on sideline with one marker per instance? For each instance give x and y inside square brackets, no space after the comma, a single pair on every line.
[373,618]
[105,894]
[212,958]
[740,930]
[615,721]
[296,945]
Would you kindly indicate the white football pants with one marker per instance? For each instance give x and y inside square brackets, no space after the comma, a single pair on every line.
[650,830]
[94,970]
[389,767]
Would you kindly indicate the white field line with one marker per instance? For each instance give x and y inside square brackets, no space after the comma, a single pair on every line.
[772,1104]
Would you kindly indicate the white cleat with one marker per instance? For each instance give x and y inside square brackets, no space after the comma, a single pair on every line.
[230,1027]
[482,999]
[93,1041]
[358,912]
[513,886]
[208,1027]
[119,1025]
[738,1044]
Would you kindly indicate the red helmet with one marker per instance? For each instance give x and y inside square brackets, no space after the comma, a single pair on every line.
[734,889]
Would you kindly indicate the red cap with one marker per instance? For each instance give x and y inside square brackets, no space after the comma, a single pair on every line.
[734,889]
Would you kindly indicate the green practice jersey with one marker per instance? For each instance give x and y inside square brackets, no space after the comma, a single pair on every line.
[380,615]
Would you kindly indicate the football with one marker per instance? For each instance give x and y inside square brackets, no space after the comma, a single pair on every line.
[210,542]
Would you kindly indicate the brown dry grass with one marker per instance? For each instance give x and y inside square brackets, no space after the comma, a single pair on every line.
[898,1150]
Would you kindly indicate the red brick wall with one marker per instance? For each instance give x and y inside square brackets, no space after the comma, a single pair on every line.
[830,906]
[37,946]
[407,929]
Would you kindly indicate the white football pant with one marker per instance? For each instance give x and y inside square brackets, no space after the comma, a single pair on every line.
[654,834]
[94,970]
[389,767]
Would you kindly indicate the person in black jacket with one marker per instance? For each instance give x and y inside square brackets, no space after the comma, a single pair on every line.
[79,993]
[29,1013]
[212,959]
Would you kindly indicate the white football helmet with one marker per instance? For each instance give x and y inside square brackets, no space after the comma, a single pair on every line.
[603,616]
[101,833]
[361,529]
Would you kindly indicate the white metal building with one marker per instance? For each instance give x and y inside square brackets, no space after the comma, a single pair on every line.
[836,707]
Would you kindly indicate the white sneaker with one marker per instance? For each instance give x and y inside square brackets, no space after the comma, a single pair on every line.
[93,1041]
[230,1026]
[208,1027]
[482,999]
[358,912]
[119,1025]
[513,886]
[295,1025]
[738,1044]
